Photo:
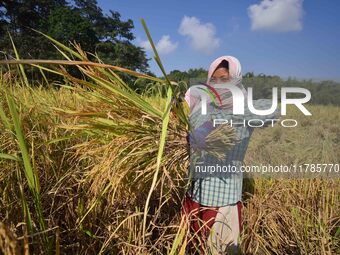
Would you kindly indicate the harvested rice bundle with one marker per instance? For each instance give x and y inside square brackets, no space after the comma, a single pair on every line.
[220,140]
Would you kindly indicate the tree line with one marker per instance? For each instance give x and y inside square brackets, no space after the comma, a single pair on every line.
[325,92]
[82,21]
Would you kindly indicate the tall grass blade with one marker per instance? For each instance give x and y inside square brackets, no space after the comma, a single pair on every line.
[166,118]
[30,174]
[22,70]
[78,63]
[7,124]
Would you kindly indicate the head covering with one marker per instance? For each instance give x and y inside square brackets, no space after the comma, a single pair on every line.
[194,93]
[234,67]
[235,77]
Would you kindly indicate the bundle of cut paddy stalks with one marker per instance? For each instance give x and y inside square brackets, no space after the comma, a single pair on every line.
[220,140]
[124,127]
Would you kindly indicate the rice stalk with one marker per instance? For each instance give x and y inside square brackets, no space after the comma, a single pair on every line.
[22,70]
[30,174]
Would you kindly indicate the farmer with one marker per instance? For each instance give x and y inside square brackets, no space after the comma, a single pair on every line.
[212,204]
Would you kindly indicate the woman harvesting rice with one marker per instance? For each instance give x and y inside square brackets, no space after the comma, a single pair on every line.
[213,203]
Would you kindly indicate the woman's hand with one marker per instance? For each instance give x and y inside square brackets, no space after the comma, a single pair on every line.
[197,136]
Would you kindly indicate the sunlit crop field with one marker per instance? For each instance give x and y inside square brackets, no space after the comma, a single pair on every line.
[87,207]
[82,173]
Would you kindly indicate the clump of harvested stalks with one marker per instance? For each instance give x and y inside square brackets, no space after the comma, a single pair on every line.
[220,140]
[120,152]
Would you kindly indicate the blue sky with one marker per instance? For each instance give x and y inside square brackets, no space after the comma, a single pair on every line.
[289,38]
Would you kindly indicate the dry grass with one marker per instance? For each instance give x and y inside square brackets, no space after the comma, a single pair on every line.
[281,216]
[295,216]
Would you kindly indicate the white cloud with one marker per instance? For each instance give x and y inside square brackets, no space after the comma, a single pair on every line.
[234,26]
[201,35]
[144,44]
[276,15]
[164,45]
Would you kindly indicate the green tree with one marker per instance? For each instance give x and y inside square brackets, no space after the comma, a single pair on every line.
[80,20]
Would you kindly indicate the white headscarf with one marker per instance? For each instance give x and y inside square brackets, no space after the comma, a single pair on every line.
[235,77]
[194,93]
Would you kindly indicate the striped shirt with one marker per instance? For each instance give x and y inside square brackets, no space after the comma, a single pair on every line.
[226,189]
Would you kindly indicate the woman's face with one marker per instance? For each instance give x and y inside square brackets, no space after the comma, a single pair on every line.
[221,75]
